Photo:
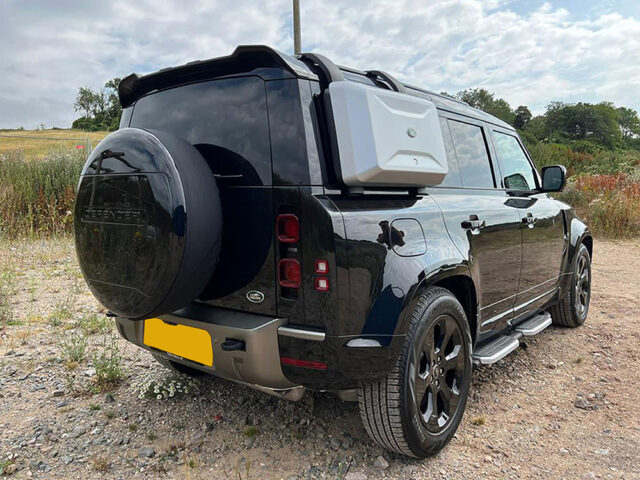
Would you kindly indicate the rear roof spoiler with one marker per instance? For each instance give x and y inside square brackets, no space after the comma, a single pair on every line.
[243,59]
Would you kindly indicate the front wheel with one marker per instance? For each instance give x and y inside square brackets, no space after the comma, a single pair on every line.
[572,309]
[416,409]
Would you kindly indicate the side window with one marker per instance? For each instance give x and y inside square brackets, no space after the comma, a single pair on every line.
[472,155]
[517,171]
[453,176]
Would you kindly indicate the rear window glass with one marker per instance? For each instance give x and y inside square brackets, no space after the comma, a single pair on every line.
[472,155]
[226,120]
[453,175]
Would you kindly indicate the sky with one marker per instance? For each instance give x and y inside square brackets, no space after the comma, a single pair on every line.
[529,52]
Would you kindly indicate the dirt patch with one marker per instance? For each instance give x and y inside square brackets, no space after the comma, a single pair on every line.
[566,406]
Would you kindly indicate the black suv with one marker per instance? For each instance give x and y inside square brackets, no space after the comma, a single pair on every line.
[267,219]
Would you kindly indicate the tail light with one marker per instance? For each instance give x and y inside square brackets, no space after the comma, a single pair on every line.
[322,284]
[289,273]
[296,362]
[288,228]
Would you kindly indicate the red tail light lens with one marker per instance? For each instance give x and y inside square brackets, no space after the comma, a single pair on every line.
[288,228]
[289,273]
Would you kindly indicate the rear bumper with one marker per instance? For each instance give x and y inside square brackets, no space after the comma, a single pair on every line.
[257,364]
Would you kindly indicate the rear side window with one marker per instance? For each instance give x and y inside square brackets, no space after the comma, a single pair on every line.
[517,171]
[226,120]
[453,175]
[472,155]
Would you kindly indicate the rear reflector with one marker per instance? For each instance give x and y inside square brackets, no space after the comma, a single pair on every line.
[295,362]
[322,284]
[322,267]
[288,228]
[289,273]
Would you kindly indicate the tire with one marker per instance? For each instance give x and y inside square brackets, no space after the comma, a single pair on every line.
[178,367]
[572,310]
[147,223]
[393,411]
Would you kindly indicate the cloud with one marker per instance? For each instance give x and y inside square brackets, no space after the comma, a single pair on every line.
[49,49]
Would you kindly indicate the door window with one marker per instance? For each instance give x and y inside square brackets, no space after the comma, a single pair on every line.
[517,171]
[472,155]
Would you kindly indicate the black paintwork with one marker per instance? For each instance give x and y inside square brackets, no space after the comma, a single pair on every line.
[505,253]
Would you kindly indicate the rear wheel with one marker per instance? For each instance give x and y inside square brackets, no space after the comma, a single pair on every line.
[417,408]
[572,310]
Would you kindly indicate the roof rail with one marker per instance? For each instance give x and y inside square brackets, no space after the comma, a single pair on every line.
[329,69]
[391,80]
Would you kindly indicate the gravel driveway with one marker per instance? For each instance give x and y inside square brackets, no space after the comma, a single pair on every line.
[566,405]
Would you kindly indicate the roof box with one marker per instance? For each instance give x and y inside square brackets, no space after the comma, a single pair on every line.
[385,138]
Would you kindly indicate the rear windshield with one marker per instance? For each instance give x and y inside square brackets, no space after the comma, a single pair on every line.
[226,120]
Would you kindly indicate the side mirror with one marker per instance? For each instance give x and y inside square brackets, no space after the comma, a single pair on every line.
[554,178]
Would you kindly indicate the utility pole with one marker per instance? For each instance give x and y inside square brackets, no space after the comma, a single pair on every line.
[296,27]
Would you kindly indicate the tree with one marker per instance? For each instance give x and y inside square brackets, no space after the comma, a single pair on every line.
[100,109]
[597,123]
[629,122]
[487,102]
[522,117]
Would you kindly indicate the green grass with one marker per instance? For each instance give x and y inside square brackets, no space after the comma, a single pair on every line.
[108,363]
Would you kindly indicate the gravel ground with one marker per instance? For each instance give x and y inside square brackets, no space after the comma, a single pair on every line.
[564,406]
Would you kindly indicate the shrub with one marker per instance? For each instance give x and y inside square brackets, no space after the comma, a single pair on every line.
[173,385]
[36,196]
[610,204]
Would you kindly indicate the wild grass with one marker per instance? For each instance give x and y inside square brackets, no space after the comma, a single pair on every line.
[7,289]
[73,348]
[108,363]
[610,204]
[36,196]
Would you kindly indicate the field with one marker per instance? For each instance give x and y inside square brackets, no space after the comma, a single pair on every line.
[46,141]
[77,401]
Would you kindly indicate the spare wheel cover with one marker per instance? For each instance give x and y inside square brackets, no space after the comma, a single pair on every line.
[147,222]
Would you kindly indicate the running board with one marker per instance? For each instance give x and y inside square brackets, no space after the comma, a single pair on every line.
[534,325]
[497,349]
[505,344]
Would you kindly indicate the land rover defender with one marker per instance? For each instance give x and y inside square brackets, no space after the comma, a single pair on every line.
[293,225]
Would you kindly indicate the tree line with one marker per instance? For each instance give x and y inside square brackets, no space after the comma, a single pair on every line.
[585,126]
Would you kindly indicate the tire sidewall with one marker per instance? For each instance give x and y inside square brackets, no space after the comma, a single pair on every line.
[582,252]
[420,440]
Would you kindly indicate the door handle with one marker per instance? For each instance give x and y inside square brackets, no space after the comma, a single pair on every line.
[474,224]
[529,220]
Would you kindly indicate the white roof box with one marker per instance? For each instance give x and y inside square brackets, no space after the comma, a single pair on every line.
[386,138]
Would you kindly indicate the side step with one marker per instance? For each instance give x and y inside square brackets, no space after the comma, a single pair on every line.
[497,349]
[505,344]
[535,324]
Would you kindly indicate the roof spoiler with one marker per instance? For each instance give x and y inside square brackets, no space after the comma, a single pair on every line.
[244,58]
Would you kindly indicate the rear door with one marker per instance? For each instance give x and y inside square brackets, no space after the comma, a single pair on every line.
[483,223]
[542,224]
[226,120]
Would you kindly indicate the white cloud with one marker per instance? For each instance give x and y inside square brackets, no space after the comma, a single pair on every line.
[49,49]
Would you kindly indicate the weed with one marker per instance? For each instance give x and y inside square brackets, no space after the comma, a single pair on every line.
[23,336]
[110,414]
[578,360]
[101,464]
[7,467]
[478,421]
[93,323]
[251,431]
[151,436]
[73,346]
[108,363]
[169,386]
[94,407]
[133,427]
[61,312]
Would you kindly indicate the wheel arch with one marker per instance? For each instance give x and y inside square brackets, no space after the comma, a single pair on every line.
[457,279]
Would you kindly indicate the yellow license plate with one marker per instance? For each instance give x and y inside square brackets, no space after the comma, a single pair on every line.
[181,340]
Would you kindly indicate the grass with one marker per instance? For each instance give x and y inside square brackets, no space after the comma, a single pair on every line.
[108,363]
[73,347]
[8,288]
[94,323]
[101,464]
[39,146]
[94,407]
[251,431]
[478,421]
[61,311]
